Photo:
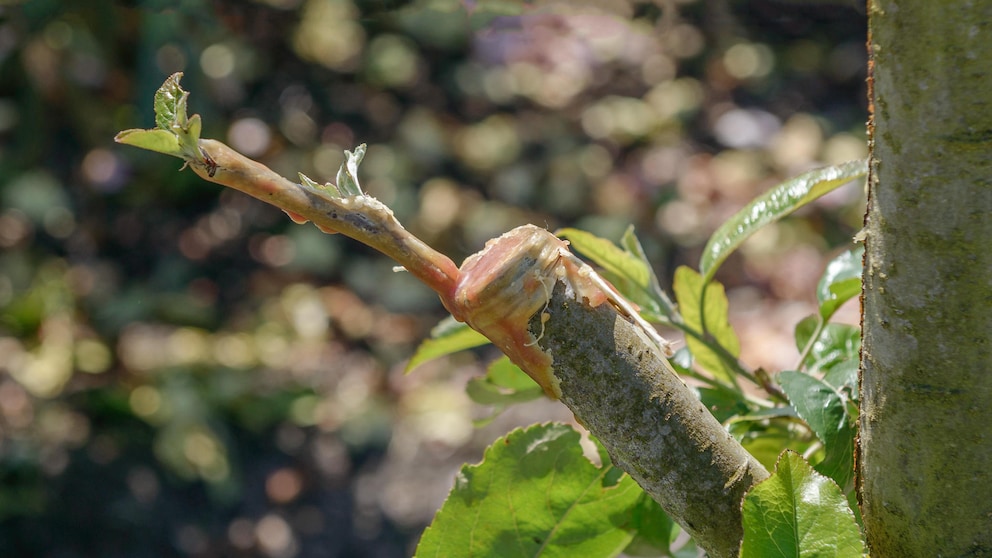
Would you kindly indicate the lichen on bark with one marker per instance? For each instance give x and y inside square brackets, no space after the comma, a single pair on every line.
[614,378]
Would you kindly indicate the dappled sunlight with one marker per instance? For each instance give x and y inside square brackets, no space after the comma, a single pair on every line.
[187,369]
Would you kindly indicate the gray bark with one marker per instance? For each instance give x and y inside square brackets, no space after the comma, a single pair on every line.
[654,427]
[925,448]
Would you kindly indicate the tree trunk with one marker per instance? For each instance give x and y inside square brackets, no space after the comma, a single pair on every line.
[925,448]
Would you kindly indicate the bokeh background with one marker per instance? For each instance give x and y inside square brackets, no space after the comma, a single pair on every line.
[184,372]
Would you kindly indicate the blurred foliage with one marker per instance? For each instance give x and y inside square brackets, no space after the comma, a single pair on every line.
[184,372]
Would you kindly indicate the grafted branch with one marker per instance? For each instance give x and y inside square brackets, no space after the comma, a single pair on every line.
[543,307]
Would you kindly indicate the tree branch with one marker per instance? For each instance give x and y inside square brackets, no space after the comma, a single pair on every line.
[360,217]
[619,385]
[542,306]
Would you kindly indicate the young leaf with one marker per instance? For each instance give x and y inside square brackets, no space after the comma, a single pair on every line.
[160,141]
[626,268]
[175,133]
[798,513]
[347,178]
[534,494]
[841,281]
[825,411]
[632,245]
[772,206]
[688,286]
[170,103]
[447,337]
[326,189]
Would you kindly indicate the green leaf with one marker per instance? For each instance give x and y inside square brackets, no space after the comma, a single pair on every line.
[688,286]
[170,103]
[805,330]
[193,128]
[347,178]
[627,268]
[160,141]
[841,281]
[843,376]
[798,513]
[449,336]
[835,344]
[324,189]
[505,374]
[655,530]
[504,384]
[767,439]
[632,245]
[825,411]
[763,415]
[175,133]
[772,206]
[721,403]
[534,494]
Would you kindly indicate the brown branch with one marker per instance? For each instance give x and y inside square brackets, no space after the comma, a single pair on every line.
[362,218]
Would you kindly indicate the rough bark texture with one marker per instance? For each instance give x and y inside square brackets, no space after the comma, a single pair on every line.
[653,426]
[925,449]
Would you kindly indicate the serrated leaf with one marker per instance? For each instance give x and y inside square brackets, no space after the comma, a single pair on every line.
[824,409]
[688,286]
[627,268]
[175,133]
[798,513]
[160,141]
[504,384]
[347,178]
[534,494]
[772,206]
[449,336]
[841,281]
[170,103]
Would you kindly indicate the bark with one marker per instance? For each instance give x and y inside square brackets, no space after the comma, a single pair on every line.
[612,376]
[925,448]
